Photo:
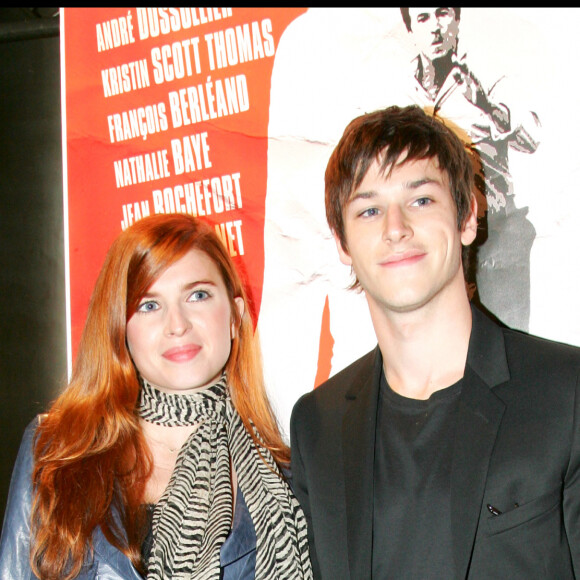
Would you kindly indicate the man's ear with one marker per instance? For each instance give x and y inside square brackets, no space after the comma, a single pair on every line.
[469,228]
[342,252]
[241,306]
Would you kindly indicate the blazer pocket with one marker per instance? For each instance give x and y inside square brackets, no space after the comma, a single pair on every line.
[524,513]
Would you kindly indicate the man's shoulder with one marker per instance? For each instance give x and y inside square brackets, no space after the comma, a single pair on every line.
[322,409]
[489,336]
[535,351]
[337,386]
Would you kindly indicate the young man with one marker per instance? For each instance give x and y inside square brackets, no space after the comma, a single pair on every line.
[453,449]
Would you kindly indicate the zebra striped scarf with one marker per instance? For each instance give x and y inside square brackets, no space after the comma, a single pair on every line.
[193,517]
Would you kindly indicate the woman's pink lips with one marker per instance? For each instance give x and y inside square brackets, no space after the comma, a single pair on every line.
[182,353]
[404,259]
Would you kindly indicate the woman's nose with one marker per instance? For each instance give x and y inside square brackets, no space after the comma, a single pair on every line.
[177,322]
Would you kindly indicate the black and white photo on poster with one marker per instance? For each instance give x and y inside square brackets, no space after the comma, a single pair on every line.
[502,78]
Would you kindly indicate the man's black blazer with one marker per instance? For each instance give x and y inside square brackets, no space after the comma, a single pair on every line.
[517,442]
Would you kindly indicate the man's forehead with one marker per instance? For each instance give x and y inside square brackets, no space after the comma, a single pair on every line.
[386,166]
[428,169]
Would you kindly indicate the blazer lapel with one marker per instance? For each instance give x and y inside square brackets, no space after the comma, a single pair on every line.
[479,417]
[358,443]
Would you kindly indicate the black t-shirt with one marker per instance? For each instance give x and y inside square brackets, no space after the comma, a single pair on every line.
[412,474]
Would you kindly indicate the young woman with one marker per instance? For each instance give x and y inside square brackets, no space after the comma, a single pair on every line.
[162,458]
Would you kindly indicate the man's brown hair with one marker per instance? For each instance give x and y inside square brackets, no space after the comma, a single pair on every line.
[384,136]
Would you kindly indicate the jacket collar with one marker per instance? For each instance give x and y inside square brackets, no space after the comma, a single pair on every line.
[486,354]
[239,543]
[358,437]
[479,417]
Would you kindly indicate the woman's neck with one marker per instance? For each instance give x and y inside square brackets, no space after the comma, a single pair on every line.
[164,444]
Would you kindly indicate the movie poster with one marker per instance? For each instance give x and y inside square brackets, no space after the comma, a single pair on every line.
[231,114]
[165,110]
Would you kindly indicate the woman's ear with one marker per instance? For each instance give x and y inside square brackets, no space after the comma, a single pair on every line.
[241,306]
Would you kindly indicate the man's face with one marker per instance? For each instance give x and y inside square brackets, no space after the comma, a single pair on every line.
[402,237]
[434,31]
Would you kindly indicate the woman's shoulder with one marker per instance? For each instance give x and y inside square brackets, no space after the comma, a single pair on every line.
[15,538]
[24,459]
[21,481]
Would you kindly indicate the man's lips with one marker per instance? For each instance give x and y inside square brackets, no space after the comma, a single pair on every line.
[437,44]
[403,259]
[182,353]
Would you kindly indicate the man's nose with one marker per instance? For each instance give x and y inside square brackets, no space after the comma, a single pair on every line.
[396,224]
[436,25]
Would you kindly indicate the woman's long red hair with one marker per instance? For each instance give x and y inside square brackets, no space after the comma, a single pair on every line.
[90,456]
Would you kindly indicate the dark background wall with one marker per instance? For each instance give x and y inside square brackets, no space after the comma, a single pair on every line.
[32,283]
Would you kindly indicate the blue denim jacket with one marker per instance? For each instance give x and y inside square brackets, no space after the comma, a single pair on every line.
[238,554]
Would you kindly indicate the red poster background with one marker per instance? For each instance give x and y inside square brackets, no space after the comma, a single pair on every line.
[238,143]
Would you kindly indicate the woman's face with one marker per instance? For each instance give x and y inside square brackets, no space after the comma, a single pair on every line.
[180,336]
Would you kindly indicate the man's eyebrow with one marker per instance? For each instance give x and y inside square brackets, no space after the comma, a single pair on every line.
[416,183]
[362,195]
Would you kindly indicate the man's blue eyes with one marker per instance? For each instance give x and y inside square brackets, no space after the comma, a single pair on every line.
[374,211]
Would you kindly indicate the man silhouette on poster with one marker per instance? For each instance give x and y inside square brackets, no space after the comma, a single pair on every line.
[444,84]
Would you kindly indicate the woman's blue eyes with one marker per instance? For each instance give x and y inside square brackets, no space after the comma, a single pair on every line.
[148,307]
[198,295]
[151,305]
